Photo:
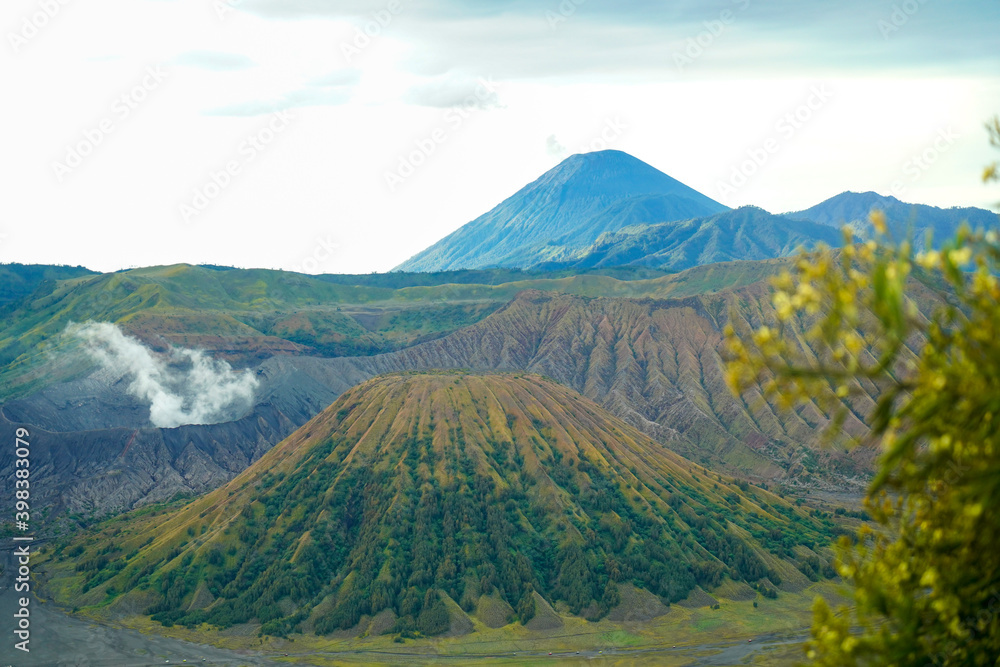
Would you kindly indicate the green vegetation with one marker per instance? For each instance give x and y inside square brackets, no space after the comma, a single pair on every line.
[246,315]
[927,581]
[399,279]
[415,489]
[18,281]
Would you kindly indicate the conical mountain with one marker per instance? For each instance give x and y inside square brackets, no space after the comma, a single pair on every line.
[413,492]
[570,205]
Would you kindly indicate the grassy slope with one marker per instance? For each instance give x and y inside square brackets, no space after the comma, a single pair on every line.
[677,638]
[18,281]
[653,355]
[663,356]
[422,473]
[244,315]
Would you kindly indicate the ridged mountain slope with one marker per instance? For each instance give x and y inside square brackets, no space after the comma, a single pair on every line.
[656,363]
[747,233]
[96,450]
[414,489]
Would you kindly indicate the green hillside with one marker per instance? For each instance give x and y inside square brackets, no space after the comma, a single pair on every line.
[18,281]
[244,316]
[421,497]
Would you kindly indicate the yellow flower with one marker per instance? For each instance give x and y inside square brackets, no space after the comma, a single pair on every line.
[960,256]
[782,304]
[783,281]
[764,334]
[853,342]
[877,219]
[807,293]
[929,260]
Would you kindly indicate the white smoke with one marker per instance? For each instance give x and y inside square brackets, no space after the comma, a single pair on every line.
[184,387]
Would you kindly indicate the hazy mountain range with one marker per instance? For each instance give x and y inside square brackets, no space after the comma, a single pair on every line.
[611,209]
[746,233]
[904,220]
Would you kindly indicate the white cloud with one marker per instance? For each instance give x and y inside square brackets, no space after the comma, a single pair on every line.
[451,92]
[214,60]
[553,147]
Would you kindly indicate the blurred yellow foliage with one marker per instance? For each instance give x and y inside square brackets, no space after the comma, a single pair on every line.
[927,579]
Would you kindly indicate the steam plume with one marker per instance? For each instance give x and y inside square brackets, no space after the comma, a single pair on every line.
[184,387]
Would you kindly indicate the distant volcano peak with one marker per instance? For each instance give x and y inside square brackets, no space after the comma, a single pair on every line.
[566,205]
[605,157]
[617,168]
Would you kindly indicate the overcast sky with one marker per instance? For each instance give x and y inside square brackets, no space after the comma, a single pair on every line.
[343,136]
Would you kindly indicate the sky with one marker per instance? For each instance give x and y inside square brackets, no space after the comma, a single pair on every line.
[344,136]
